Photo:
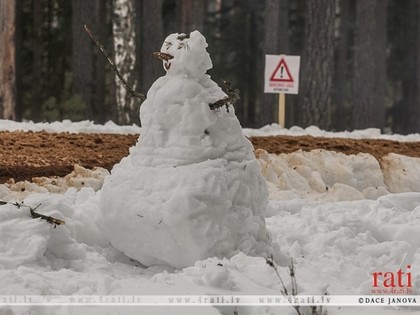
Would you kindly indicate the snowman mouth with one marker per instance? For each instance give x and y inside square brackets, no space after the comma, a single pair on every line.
[164,57]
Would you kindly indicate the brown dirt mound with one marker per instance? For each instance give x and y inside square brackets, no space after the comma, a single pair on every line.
[24,155]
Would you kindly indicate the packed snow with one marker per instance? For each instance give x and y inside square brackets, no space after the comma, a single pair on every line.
[269,130]
[340,217]
[191,188]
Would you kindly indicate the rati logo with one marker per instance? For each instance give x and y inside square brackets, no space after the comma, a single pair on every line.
[395,280]
[399,282]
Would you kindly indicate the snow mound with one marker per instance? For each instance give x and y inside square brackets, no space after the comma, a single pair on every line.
[322,174]
[191,188]
[25,241]
[369,133]
[79,178]
[85,126]
[334,176]
[401,173]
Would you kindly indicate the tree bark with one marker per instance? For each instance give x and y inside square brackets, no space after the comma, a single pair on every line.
[276,41]
[150,39]
[314,100]
[100,111]
[406,112]
[369,65]
[191,15]
[125,58]
[37,61]
[82,57]
[7,59]
[19,60]
[341,75]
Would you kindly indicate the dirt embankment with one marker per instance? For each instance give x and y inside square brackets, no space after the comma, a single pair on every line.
[24,155]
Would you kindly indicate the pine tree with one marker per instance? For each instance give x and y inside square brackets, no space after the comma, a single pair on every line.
[276,41]
[317,62]
[369,65]
[82,53]
[7,59]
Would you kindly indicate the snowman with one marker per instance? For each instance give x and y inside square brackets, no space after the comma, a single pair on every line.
[191,188]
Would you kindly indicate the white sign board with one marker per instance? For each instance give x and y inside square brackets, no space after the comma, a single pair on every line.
[281,74]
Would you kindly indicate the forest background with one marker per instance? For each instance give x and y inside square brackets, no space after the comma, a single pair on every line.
[360,59]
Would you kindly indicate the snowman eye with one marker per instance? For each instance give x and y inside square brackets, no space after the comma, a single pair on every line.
[168,45]
[183,45]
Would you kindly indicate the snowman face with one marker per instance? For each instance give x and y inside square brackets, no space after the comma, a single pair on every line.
[183,54]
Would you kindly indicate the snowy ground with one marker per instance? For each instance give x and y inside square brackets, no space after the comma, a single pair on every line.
[340,217]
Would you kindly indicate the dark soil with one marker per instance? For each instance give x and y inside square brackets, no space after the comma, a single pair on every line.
[24,155]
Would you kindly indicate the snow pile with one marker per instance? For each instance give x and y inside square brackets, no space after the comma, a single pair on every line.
[28,241]
[370,133]
[191,188]
[268,130]
[336,242]
[85,126]
[333,176]
[337,245]
[321,174]
[78,179]
[401,173]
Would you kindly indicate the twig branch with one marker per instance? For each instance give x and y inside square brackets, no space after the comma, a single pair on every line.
[272,264]
[231,99]
[130,91]
[314,309]
[35,214]
[293,277]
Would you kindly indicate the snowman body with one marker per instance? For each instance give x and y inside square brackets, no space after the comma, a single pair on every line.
[191,188]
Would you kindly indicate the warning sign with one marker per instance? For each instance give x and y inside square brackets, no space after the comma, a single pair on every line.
[281,74]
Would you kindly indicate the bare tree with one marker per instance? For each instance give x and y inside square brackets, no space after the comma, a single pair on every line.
[317,61]
[7,59]
[369,76]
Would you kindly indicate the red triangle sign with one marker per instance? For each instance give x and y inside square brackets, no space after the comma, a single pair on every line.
[282,73]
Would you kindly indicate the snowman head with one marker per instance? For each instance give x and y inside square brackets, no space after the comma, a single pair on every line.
[185,54]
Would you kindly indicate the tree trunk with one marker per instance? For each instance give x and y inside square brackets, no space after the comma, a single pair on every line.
[37,61]
[82,58]
[414,125]
[125,57]
[19,61]
[369,65]
[276,41]
[406,112]
[191,15]
[7,59]
[252,66]
[342,69]
[314,102]
[150,40]
[100,111]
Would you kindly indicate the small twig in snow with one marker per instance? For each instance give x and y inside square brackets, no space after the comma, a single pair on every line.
[35,214]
